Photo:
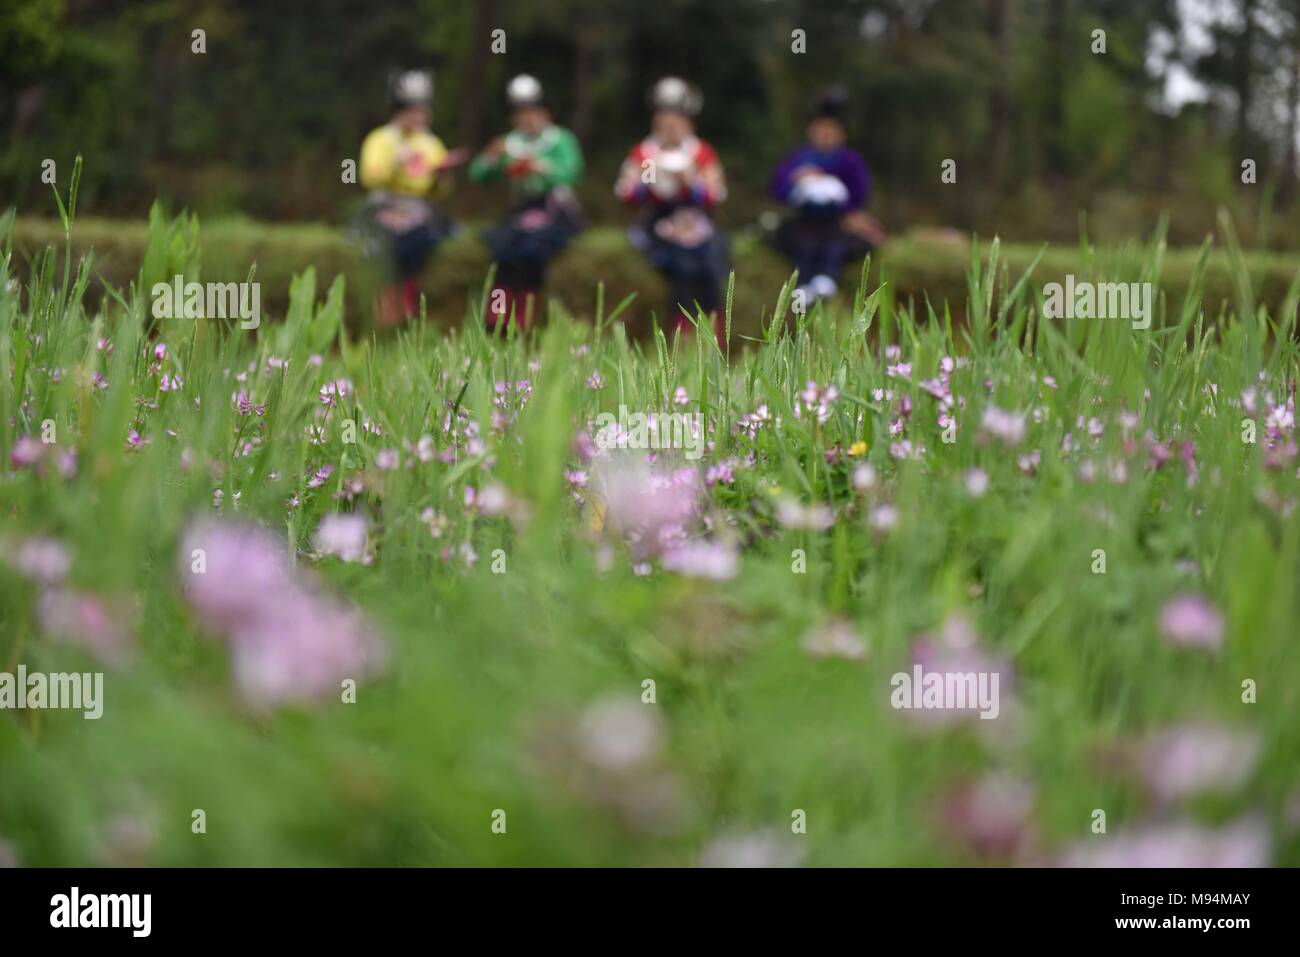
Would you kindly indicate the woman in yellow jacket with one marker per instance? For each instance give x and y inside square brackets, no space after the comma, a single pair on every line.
[404,167]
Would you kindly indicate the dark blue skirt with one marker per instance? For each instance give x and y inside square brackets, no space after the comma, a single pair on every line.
[535,231]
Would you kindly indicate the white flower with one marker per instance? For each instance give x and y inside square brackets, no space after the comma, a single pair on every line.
[711,560]
[342,535]
[884,518]
[619,733]
[864,477]
[1007,427]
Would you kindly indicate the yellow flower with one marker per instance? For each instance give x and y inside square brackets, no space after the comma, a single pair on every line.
[596,513]
[858,448]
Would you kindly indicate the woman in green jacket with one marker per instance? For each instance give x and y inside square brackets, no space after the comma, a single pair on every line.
[541,162]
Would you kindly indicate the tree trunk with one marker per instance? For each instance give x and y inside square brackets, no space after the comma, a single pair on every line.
[475,75]
[583,62]
[1000,102]
[1057,49]
[1242,85]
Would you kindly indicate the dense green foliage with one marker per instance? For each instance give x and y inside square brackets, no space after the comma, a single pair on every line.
[1040,125]
[515,678]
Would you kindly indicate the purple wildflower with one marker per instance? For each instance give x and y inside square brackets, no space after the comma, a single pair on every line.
[288,643]
[83,619]
[711,560]
[1244,843]
[1006,427]
[1190,621]
[1185,760]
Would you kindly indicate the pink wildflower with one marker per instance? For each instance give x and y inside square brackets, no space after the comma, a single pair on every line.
[1190,621]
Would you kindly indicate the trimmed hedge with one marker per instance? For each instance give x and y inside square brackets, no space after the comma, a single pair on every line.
[921,265]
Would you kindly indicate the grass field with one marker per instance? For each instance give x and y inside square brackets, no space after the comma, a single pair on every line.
[919,266]
[390,601]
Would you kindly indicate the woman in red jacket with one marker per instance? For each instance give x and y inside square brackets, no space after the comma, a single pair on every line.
[677,180]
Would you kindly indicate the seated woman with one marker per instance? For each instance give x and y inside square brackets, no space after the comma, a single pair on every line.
[542,162]
[827,184]
[677,180]
[403,166]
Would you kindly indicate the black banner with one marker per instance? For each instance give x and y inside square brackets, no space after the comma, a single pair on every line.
[338,906]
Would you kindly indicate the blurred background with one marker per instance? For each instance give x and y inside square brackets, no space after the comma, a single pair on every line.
[1042,128]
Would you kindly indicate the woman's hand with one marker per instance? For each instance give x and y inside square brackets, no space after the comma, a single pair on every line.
[454,158]
[865,226]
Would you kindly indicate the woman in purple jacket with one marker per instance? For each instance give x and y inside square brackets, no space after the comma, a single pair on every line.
[827,185]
